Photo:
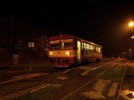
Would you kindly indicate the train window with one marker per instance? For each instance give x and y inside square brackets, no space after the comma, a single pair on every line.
[98,49]
[62,45]
[85,46]
[54,46]
[95,49]
[82,46]
[66,45]
[91,47]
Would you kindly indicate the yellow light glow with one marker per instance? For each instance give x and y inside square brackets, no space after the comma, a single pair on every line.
[131,24]
[132,37]
[67,53]
[126,92]
[50,53]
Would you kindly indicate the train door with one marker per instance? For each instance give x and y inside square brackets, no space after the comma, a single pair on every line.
[79,51]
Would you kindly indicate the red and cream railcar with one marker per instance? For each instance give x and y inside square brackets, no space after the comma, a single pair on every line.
[66,50]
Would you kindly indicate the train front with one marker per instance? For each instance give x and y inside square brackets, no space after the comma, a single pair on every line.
[61,51]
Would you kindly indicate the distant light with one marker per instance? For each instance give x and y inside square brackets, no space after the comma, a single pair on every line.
[128,94]
[131,24]
[132,37]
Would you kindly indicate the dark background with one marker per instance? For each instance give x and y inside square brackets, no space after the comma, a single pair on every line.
[99,21]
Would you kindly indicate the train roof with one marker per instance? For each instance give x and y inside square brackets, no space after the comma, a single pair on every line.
[55,37]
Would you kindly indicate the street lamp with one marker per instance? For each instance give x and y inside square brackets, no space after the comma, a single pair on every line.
[131,24]
[130,52]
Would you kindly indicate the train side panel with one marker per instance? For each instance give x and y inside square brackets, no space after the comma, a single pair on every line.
[88,52]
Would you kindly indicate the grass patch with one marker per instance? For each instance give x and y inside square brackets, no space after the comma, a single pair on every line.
[77,97]
[115,74]
[129,71]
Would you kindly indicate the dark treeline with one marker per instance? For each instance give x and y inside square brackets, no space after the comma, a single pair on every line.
[16,33]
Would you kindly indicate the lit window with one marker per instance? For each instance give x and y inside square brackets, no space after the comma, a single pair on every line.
[87,46]
[67,45]
[91,47]
[62,46]
[99,49]
[82,46]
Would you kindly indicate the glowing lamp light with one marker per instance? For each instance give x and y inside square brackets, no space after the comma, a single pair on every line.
[67,53]
[132,37]
[50,53]
[131,24]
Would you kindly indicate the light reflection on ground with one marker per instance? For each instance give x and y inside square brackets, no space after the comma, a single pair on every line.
[96,92]
[125,94]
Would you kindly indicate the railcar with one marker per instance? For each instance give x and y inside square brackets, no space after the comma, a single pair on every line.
[66,50]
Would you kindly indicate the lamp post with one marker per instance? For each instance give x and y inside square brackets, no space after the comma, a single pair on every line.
[131,24]
[130,52]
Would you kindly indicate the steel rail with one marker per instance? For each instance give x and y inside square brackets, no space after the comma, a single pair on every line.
[121,82]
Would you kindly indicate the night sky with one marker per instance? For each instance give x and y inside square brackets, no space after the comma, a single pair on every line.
[99,21]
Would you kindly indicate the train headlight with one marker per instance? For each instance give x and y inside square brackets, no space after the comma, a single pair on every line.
[67,53]
[50,53]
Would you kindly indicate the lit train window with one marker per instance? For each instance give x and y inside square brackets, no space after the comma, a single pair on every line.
[82,46]
[66,45]
[62,45]
[98,49]
[91,47]
[87,46]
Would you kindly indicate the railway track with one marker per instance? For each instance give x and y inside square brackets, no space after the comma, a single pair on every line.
[122,79]
[110,93]
[127,86]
